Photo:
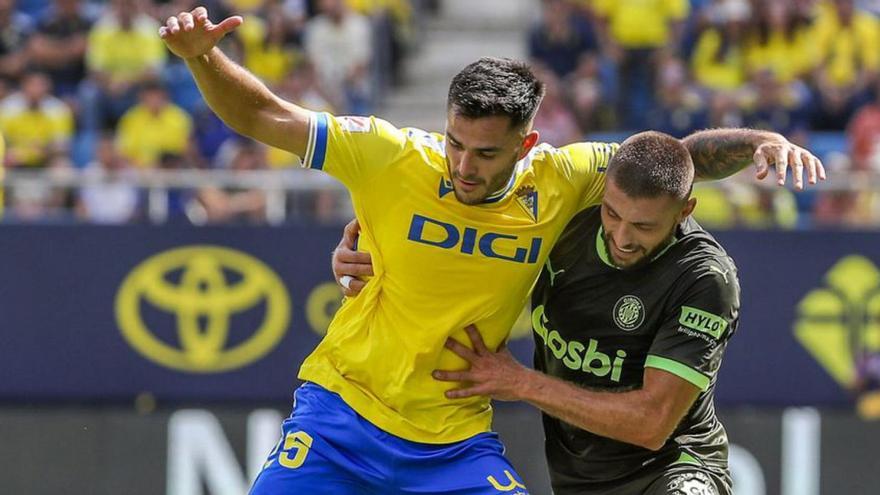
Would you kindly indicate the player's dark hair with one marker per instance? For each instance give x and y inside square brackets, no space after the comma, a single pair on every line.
[493,87]
[651,164]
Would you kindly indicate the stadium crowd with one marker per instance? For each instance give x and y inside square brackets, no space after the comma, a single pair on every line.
[87,85]
[91,85]
[805,68]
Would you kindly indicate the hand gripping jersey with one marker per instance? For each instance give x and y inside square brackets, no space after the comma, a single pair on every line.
[439,266]
[600,327]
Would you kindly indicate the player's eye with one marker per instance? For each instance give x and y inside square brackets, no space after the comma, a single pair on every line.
[455,144]
[488,156]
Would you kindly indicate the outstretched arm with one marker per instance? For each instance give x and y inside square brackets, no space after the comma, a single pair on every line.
[645,417]
[234,94]
[719,153]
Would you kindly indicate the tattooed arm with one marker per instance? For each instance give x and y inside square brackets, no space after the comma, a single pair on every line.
[719,153]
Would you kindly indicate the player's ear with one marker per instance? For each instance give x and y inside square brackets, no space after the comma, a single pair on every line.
[689,206]
[528,143]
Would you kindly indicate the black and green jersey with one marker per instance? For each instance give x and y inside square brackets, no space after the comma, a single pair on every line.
[599,327]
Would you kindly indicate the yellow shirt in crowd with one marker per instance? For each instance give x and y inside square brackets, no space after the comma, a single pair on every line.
[642,23]
[143,136]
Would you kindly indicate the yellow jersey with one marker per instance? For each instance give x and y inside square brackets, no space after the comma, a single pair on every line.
[714,72]
[143,137]
[124,54]
[847,50]
[641,23]
[439,265]
[31,131]
[787,58]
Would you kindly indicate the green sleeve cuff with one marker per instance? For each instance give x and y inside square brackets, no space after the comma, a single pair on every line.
[683,371]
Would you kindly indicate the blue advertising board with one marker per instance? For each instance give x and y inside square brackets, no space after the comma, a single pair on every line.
[228,313]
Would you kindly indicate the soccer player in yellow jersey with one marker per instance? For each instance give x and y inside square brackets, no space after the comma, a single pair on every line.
[458,227]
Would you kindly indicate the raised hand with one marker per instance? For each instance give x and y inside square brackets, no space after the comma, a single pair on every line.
[192,34]
[781,155]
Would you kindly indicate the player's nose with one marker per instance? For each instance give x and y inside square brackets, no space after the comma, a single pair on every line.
[466,166]
[622,236]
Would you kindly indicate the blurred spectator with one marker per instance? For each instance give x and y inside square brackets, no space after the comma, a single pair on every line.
[781,42]
[849,46]
[59,45]
[680,109]
[152,128]
[561,38]
[339,44]
[162,9]
[295,14]
[225,205]
[849,207]
[393,30]
[111,199]
[35,200]
[38,127]
[855,208]
[864,136]
[555,120]
[209,133]
[770,104]
[15,28]
[736,203]
[588,95]
[718,61]
[124,52]
[171,206]
[269,51]
[31,8]
[846,209]
[633,32]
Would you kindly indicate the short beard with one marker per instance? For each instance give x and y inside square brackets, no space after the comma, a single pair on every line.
[646,259]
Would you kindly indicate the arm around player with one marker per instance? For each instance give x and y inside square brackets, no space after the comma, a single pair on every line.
[682,362]
[645,417]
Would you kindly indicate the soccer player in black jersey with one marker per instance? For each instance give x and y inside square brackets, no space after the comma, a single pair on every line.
[631,316]
[635,308]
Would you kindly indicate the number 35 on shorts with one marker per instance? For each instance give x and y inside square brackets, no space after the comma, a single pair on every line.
[292,450]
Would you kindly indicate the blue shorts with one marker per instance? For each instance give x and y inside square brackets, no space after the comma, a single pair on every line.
[327,448]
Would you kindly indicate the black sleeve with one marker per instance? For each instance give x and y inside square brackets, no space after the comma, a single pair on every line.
[700,320]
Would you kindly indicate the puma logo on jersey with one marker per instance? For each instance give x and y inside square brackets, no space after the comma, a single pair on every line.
[553,274]
[722,272]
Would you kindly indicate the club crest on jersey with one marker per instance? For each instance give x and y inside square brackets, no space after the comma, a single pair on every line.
[527,197]
[355,124]
[445,187]
[629,313]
